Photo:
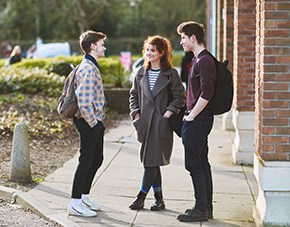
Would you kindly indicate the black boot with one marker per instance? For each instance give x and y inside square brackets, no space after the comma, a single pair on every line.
[193,215]
[138,203]
[159,203]
[210,212]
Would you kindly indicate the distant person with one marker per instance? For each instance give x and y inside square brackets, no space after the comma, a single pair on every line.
[198,121]
[38,42]
[15,55]
[7,51]
[157,92]
[90,96]
[31,51]
[185,66]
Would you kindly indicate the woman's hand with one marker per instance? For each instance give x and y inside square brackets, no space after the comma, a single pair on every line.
[136,117]
[167,114]
[188,118]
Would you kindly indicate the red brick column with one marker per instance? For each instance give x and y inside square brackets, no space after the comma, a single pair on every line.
[272,82]
[244,74]
[272,114]
[244,54]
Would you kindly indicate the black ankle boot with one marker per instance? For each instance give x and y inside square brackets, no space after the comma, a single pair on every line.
[159,203]
[138,203]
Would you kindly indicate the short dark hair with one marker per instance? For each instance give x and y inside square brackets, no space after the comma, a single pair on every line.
[190,28]
[89,37]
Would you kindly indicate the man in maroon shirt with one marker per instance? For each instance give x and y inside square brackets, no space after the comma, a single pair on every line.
[198,121]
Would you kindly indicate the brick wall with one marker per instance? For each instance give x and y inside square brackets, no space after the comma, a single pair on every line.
[244,54]
[272,101]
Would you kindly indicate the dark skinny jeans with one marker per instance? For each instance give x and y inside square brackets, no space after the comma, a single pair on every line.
[195,140]
[91,156]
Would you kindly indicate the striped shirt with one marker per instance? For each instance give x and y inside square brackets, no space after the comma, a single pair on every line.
[153,76]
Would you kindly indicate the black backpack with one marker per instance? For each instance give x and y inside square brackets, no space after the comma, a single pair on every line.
[222,100]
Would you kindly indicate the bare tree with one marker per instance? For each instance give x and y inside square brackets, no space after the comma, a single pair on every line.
[85,13]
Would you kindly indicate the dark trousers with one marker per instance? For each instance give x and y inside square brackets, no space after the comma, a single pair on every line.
[195,140]
[91,156]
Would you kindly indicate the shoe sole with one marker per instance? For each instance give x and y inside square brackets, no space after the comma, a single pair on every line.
[81,215]
[76,213]
[136,208]
[158,209]
[188,220]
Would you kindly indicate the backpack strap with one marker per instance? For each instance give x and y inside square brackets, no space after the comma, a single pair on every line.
[195,69]
[204,52]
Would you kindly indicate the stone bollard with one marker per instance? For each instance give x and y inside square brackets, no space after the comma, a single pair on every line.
[20,157]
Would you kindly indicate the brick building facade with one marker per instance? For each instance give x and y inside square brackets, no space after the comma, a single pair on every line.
[254,35]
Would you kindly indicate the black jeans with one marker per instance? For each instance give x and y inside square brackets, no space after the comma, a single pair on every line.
[91,156]
[195,140]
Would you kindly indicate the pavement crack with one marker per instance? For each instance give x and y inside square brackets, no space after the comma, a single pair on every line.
[251,191]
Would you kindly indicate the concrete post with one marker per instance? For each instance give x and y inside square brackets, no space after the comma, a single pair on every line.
[272,205]
[243,147]
[20,157]
[227,121]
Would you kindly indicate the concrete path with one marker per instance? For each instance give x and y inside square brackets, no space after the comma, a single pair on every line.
[118,181]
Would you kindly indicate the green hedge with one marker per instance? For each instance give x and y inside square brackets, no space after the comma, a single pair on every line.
[47,76]
[2,62]
[176,59]
[30,81]
[57,65]
[113,73]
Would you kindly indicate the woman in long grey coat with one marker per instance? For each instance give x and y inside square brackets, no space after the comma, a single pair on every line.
[157,93]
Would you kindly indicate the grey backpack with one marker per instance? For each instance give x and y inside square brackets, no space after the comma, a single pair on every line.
[67,102]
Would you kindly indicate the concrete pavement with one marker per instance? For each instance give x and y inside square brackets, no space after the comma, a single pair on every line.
[118,181]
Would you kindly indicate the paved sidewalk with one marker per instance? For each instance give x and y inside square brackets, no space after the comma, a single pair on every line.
[118,181]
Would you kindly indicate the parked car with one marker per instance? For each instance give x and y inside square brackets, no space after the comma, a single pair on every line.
[135,66]
[51,50]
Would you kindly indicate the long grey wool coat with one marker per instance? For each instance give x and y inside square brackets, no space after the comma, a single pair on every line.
[153,131]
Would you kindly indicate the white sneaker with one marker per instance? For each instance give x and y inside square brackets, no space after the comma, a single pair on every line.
[80,210]
[91,205]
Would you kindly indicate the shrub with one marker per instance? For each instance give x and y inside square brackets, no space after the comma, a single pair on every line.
[31,63]
[60,65]
[30,81]
[112,71]
[176,59]
[2,62]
